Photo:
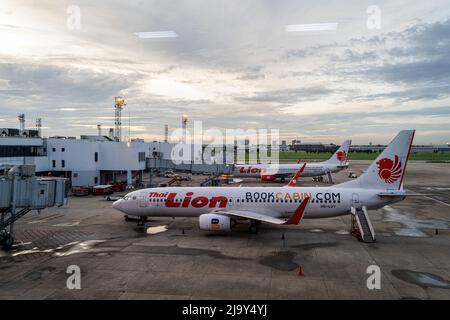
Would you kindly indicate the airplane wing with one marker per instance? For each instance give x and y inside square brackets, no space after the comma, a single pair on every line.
[252,215]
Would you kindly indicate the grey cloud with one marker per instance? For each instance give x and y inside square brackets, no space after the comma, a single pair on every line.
[413,94]
[251,73]
[51,82]
[408,65]
[287,96]
[417,54]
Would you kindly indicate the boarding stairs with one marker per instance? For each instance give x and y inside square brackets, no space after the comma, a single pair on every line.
[361,225]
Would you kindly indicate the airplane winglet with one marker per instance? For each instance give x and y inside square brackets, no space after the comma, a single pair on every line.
[293,182]
[298,214]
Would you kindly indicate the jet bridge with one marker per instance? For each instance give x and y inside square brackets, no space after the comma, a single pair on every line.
[21,192]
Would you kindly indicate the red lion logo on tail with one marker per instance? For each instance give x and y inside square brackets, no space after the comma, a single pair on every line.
[390,170]
[341,155]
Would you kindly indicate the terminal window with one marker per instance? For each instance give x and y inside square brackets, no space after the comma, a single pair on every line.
[20,151]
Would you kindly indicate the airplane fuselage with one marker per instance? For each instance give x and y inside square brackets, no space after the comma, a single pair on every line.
[311,169]
[279,202]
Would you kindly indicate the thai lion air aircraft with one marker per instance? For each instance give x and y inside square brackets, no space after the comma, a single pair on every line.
[268,172]
[218,208]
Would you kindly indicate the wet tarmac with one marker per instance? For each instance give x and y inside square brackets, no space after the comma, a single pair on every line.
[281,261]
[422,279]
[173,259]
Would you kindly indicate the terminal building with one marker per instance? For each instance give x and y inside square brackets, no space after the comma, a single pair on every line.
[85,161]
[299,146]
[93,159]
[415,148]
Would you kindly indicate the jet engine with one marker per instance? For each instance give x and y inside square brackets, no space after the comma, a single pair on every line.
[214,222]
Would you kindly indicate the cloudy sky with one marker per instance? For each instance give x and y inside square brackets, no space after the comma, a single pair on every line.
[233,65]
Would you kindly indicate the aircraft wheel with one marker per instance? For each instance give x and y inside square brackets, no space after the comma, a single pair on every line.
[142,221]
[126,217]
[283,179]
[253,229]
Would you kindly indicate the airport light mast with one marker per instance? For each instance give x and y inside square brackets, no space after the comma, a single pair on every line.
[39,126]
[118,106]
[166,133]
[21,118]
[184,120]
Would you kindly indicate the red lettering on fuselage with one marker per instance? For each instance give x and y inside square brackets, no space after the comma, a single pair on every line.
[222,201]
[170,203]
[197,202]
[249,169]
[157,194]
[187,199]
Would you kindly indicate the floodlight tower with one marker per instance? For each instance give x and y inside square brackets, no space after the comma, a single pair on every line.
[118,106]
[184,120]
[21,118]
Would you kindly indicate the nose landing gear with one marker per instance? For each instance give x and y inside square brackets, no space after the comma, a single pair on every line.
[254,226]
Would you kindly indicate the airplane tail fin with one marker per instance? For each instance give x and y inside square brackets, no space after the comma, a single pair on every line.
[388,169]
[293,182]
[341,155]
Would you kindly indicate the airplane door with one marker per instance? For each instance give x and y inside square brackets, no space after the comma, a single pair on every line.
[355,200]
[142,202]
[236,202]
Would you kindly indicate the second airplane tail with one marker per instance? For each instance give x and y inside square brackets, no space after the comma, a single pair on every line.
[340,157]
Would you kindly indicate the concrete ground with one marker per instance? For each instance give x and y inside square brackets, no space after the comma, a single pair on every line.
[173,259]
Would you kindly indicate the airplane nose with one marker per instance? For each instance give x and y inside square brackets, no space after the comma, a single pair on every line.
[118,204]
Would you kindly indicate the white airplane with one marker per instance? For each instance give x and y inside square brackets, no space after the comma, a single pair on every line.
[271,172]
[218,208]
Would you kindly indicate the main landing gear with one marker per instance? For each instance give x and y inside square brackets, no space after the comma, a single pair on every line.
[142,221]
[254,227]
[283,179]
